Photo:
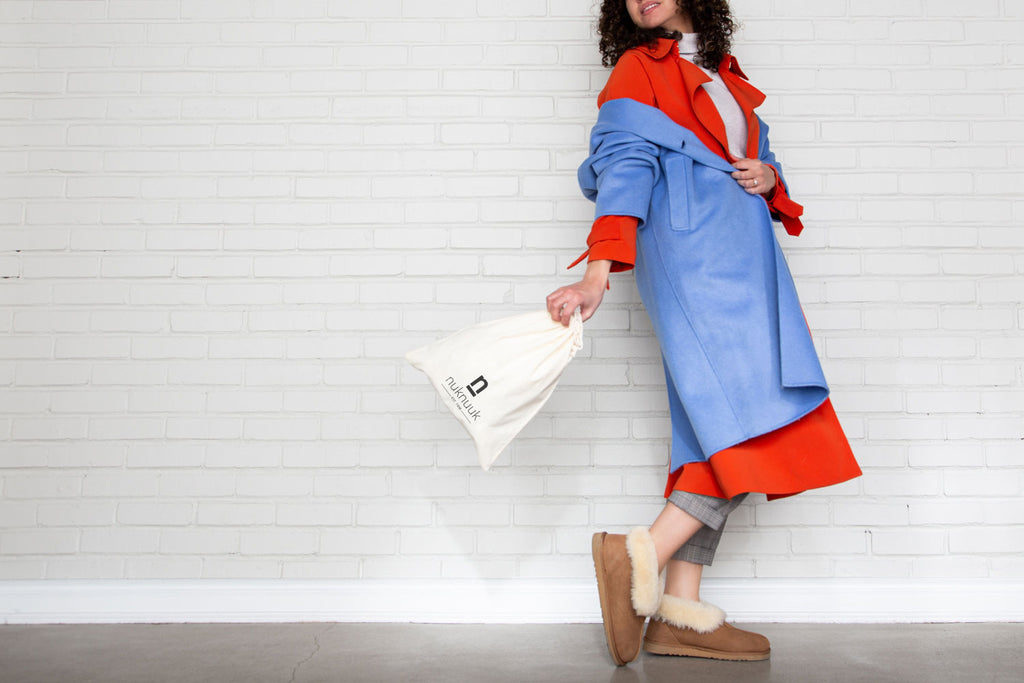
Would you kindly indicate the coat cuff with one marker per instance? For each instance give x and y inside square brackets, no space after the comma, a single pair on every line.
[612,238]
[783,208]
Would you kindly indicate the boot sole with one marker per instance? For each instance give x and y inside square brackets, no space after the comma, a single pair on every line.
[596,545]
[704,653]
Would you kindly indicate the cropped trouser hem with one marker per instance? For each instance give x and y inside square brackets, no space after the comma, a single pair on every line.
[712,513]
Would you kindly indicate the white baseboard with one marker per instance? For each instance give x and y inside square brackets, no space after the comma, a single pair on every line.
[493,601]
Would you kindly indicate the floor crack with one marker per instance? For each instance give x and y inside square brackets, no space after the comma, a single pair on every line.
[316,649]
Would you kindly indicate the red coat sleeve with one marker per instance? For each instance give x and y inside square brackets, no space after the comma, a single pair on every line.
[783,208]
[614,237]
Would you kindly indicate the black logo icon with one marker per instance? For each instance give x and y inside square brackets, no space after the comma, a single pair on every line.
[477,386]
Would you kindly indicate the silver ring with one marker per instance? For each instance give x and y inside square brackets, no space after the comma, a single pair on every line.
[755,182]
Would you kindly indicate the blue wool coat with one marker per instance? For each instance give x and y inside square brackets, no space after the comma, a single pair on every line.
[739,360]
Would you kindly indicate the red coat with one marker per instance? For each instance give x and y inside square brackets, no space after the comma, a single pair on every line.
[809,453]
[659,77]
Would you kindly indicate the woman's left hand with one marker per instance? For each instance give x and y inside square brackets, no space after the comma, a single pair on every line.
[753,176]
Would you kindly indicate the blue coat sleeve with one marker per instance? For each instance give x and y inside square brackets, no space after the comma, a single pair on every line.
[620,173]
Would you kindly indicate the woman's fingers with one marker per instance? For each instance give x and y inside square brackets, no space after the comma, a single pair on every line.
[572,302]
[554,302]
[753,176]
[562,302]
[565,300]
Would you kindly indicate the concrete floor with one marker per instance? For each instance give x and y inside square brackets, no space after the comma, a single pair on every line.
[301,653]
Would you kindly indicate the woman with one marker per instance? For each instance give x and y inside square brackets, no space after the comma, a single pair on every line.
[686,189]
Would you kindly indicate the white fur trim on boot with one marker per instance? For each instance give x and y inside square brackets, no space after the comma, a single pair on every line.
[646,586]
[702,617]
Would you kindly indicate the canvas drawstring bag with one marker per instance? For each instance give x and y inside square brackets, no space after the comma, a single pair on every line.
[495,376]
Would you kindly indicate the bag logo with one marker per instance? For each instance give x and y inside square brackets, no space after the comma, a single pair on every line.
[460,400]
[472,386]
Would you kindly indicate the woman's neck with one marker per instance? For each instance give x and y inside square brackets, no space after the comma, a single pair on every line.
[689,44]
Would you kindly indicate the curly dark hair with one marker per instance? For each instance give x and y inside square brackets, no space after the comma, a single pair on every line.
[712,19]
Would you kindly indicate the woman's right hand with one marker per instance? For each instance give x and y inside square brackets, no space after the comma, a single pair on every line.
[585,295]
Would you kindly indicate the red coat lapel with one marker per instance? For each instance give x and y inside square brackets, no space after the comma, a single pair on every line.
[747,96]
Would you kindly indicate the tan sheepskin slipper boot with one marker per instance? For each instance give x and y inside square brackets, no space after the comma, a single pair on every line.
[646,586]
[629,588]
[697,629]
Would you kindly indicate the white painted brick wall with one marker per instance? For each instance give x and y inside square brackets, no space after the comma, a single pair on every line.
[222,224]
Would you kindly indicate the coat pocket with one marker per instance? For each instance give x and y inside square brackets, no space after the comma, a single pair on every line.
[679,179]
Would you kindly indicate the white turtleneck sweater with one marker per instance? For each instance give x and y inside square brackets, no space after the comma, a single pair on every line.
[732,116]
